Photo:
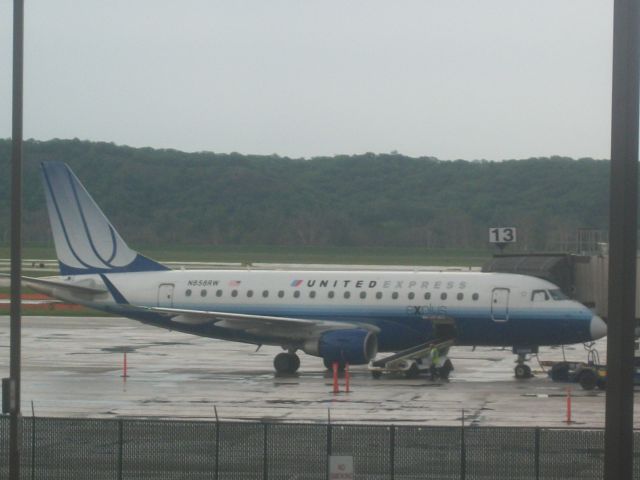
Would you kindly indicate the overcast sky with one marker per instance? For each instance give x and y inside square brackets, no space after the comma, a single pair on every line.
[468,79]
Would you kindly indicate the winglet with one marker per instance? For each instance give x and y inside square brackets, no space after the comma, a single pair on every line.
[85,240]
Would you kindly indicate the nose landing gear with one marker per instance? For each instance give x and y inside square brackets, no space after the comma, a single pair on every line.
[522,370]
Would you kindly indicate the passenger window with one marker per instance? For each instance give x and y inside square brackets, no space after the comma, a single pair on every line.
[203,293]
[394,295]
[312,294]
[249,293]
[539,296]
[411,295]
[330,294]
[265,293]
[296,294]
[234,293]
[460,296]
[281,294]
[188,293]
[218,293]
[347,294]
[427,295]
[475,297]
[363,295]
[443,296]
[379,295]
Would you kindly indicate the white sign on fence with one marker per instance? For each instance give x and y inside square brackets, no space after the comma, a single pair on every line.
[340,468]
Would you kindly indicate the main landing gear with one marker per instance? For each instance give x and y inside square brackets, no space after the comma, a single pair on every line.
[286,363]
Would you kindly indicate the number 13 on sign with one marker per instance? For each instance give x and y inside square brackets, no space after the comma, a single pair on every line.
[502,235]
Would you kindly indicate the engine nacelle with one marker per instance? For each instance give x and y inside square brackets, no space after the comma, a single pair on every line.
[355,346]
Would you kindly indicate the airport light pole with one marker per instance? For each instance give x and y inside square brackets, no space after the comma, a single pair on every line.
[16,241]
[623,193]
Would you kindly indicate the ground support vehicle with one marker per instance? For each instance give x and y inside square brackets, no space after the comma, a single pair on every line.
[416,360]
[588,375]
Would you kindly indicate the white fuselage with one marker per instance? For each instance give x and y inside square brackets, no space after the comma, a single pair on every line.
[488,308]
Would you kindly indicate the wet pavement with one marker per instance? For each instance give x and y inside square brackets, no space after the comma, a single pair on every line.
[73,366]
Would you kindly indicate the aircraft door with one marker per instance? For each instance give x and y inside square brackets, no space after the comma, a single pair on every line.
[500,304]
[165,295]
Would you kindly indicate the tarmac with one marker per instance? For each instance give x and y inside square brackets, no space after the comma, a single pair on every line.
[73,367]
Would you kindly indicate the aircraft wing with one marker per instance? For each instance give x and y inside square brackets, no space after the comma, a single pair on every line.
[258,324]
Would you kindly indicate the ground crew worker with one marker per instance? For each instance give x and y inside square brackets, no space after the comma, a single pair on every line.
[435,360]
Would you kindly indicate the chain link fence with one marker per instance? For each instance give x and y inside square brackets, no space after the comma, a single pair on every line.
[117,449]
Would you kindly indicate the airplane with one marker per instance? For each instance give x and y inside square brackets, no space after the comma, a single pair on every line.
[341,316]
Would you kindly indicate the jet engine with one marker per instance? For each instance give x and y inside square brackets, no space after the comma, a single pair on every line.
[355,346]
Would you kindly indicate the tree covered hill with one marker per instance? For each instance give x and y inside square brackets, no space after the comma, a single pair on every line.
[163,197]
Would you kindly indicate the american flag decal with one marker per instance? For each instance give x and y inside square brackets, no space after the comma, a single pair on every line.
[296,283]
[234,283]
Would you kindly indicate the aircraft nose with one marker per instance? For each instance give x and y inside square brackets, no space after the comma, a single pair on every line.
[597,328]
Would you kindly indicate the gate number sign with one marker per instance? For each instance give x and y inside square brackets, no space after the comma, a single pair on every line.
[502,235]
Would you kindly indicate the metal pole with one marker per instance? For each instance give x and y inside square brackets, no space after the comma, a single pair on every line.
[618,456]
[329,445]
[33,442]
[537,452]
[463,451]
[265,451]
[120,448]
[392,452]
[217,443]
[16,240]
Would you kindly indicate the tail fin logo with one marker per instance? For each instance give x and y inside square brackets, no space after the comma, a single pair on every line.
[85,240]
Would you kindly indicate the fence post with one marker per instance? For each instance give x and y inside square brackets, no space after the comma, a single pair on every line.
[463,452]
[265,465]
[33,442]
[392,450]
[120,447]
[217,443]
[328,442]
[537,453]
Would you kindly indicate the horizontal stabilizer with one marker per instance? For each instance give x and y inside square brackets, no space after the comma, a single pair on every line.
[75,287]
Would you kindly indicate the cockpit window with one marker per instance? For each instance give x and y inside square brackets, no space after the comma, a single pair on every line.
[558,294]
[539,296]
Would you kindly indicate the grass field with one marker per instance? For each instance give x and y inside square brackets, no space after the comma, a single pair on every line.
[278,254]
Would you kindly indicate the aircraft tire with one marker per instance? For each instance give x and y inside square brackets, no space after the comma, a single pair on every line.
[445,370]
[295,362]
[560,372]
[413,372]
[376,374]
[588,379]
[286,363]
[522,371]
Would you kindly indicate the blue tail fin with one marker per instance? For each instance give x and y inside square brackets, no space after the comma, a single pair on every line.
[85,240]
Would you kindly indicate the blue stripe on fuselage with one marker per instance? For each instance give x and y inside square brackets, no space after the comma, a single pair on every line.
[398,330]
